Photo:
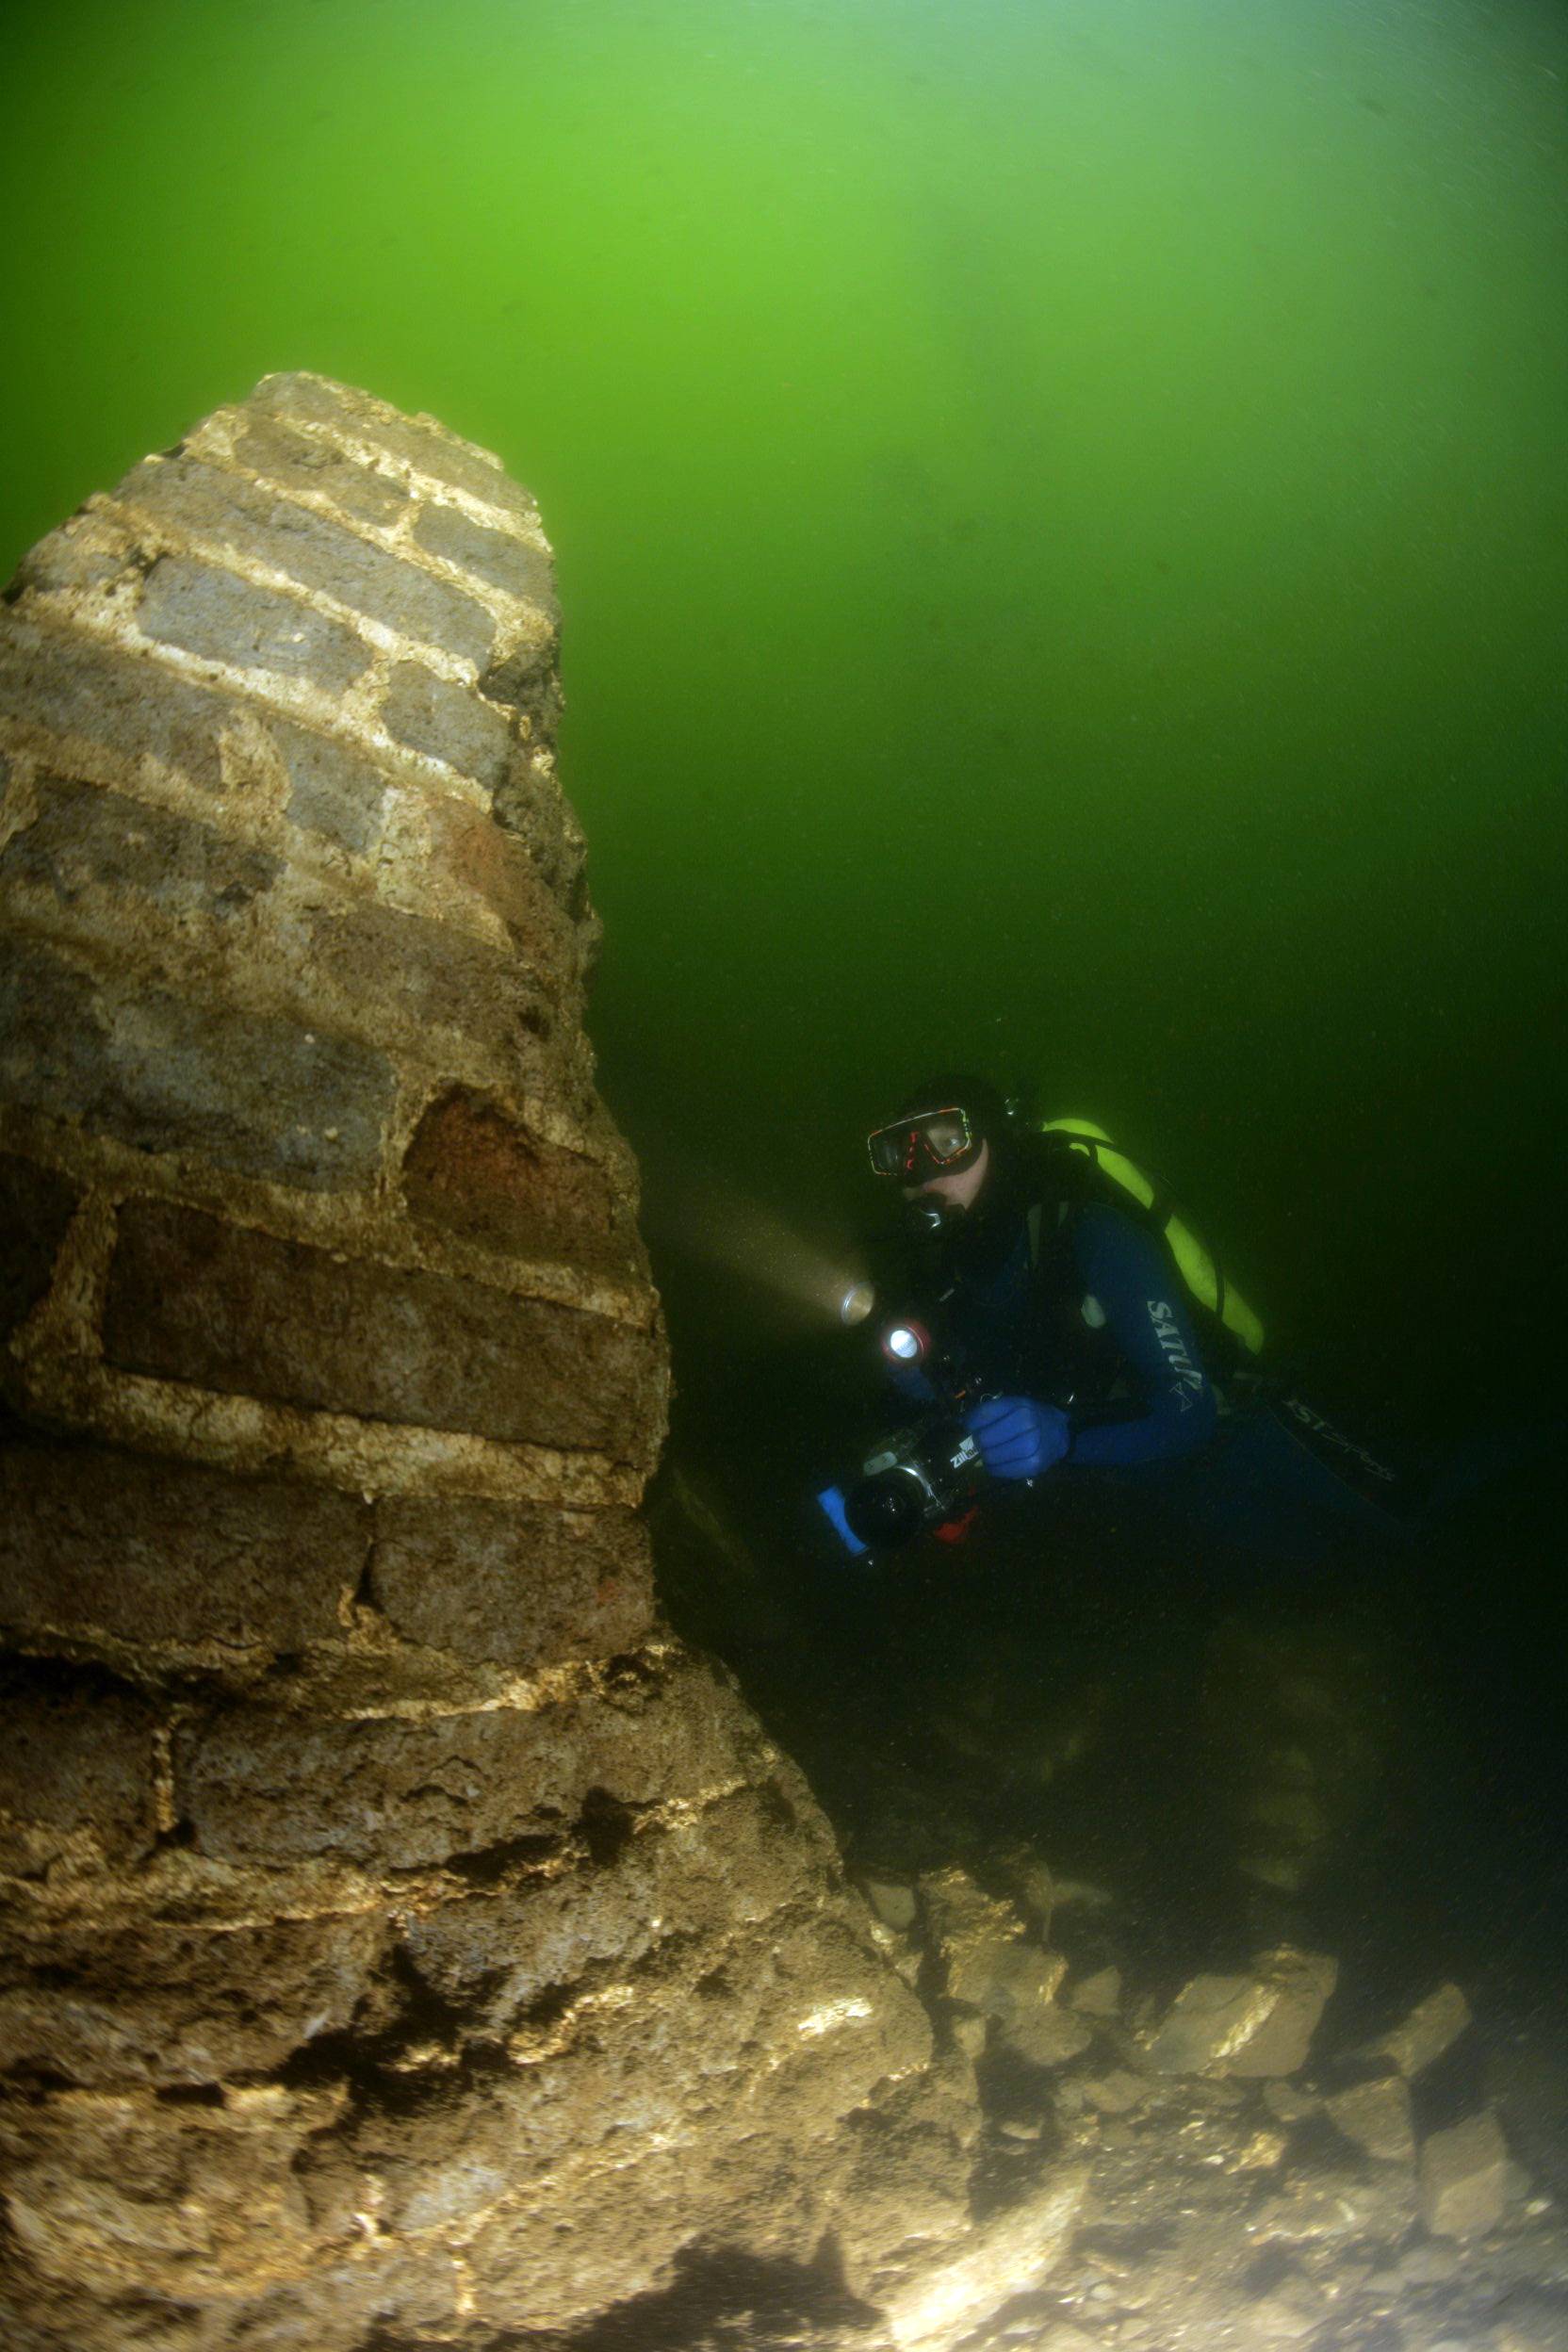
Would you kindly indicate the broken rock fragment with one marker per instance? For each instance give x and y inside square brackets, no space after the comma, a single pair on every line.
[1464,2179]
[1376,2116]
[1097,1995]
[970,1931]
[1114,2092]
[1258,2024]
[1044,2036]
[1432,2026]
[893,1902]
[989,1965]
[1288,2103]
[1004,2257]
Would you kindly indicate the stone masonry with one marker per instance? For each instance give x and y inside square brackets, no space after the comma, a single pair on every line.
[405,1941]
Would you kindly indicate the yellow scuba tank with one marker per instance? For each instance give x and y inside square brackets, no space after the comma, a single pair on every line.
[1204,1278]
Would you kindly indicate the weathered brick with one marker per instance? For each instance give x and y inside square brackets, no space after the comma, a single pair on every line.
[515,565]
[491,1951]
[447,723]
[475,850]
[472,1168]
[77,1758]
[141,1999]
[315,401]
[432,972]
[267,1786]
[170,1551]
[72,557]
[195,1299]
[72,685]
[136,2198]
[335,791]
[88,840]
[614,2108]
[253,520]
[531,805]
[221,618]
[36,1206]
[517,1584]
[218,2290]
[265,1783]
[247,1091]
[527,681]
[296,462]
[621,2124]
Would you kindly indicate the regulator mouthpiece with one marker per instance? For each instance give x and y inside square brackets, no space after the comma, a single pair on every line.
[925,1218]
[855,1304]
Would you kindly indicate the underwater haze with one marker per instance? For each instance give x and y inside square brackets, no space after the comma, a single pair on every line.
[1060,514]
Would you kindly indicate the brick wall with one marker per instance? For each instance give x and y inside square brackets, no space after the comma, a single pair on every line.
[404,1939]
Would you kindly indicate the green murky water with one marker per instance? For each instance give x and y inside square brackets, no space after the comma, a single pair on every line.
[1060,510]
[1061,514]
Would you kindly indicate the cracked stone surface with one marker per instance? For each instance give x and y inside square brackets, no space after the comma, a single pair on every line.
[405,1939]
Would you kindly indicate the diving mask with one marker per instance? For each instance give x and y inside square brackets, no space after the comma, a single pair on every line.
[923,1145]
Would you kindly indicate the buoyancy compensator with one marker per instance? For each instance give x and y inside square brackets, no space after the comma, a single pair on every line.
[1201,1274]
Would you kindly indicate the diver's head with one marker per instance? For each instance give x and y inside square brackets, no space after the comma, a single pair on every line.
[941,1146]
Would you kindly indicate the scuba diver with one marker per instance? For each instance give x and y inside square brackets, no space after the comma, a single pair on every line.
[1066,1324]
[1080,1388]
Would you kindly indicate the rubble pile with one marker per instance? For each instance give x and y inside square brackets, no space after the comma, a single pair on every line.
[1251,2180]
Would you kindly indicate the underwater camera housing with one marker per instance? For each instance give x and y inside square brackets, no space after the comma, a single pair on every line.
[921,1479]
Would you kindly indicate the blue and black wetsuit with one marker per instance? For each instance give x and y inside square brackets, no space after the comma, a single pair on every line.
[1078,1304]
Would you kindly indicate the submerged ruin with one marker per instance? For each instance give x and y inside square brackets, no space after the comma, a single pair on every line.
[403,1931]
[407,1940]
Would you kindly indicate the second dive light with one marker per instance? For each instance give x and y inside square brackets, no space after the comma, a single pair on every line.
[907,1343]
[922,1478]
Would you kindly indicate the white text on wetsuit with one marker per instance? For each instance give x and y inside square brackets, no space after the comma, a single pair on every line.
[1166,1331]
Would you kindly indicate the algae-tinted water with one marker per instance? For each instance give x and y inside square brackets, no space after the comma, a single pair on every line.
[1060,507]
[1060,514]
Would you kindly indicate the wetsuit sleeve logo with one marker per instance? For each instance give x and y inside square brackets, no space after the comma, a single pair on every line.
[1188,1381]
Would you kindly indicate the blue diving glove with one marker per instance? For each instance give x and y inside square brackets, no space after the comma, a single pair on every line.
[1017,1436]
[831,1500]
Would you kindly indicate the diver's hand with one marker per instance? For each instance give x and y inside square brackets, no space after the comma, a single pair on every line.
[1017,1436]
